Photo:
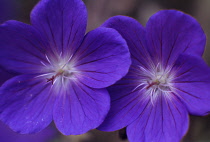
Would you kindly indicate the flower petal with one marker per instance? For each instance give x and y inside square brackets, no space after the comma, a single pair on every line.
[21,47]
[79,108]
[26,104]
[170,33]
[165,121]
[7,135]
[63,22]
[127,102]
[192,83]
[134,34]
[4,75]
[103,58]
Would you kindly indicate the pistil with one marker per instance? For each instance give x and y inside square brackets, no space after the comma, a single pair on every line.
[60,72]
[151,84]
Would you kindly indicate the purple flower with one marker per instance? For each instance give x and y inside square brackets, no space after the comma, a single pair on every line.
[7,135]
[168,78]
[62,73]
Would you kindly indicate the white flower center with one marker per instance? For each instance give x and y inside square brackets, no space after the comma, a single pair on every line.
[61,73]
[58,70]
[159,81]
[156,81]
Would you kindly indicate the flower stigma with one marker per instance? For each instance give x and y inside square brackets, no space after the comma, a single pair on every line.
[156,81]
[58,69]
[54,76]
[159,81]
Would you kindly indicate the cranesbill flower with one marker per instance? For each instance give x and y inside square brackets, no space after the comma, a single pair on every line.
[168,78]
[62,73]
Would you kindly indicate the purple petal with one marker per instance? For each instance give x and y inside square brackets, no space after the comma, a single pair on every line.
[165,121]
[63,22]
[103,58]
[80,108]
[4,75]
[127,102]
[192,83]
[170,33]
[134,34]
[21,47]
[26,104]
[7,135]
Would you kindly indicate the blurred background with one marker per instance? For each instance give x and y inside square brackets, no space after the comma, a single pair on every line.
[98,12]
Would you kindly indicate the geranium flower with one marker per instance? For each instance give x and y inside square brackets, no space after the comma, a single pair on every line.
[62,73]
[167,81]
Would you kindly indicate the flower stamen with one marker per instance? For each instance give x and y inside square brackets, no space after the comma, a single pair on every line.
[153,83]
[60,72]
[156,81]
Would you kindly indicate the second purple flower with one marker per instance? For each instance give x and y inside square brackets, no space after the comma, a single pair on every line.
[168,78]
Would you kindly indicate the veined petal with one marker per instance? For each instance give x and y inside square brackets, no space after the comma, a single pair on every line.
[63,22]
[127,102]
[22,47]
[170,33]
[79,108]
[26,104]
[192,83]
[134,34]
[103,58]
[165,121]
